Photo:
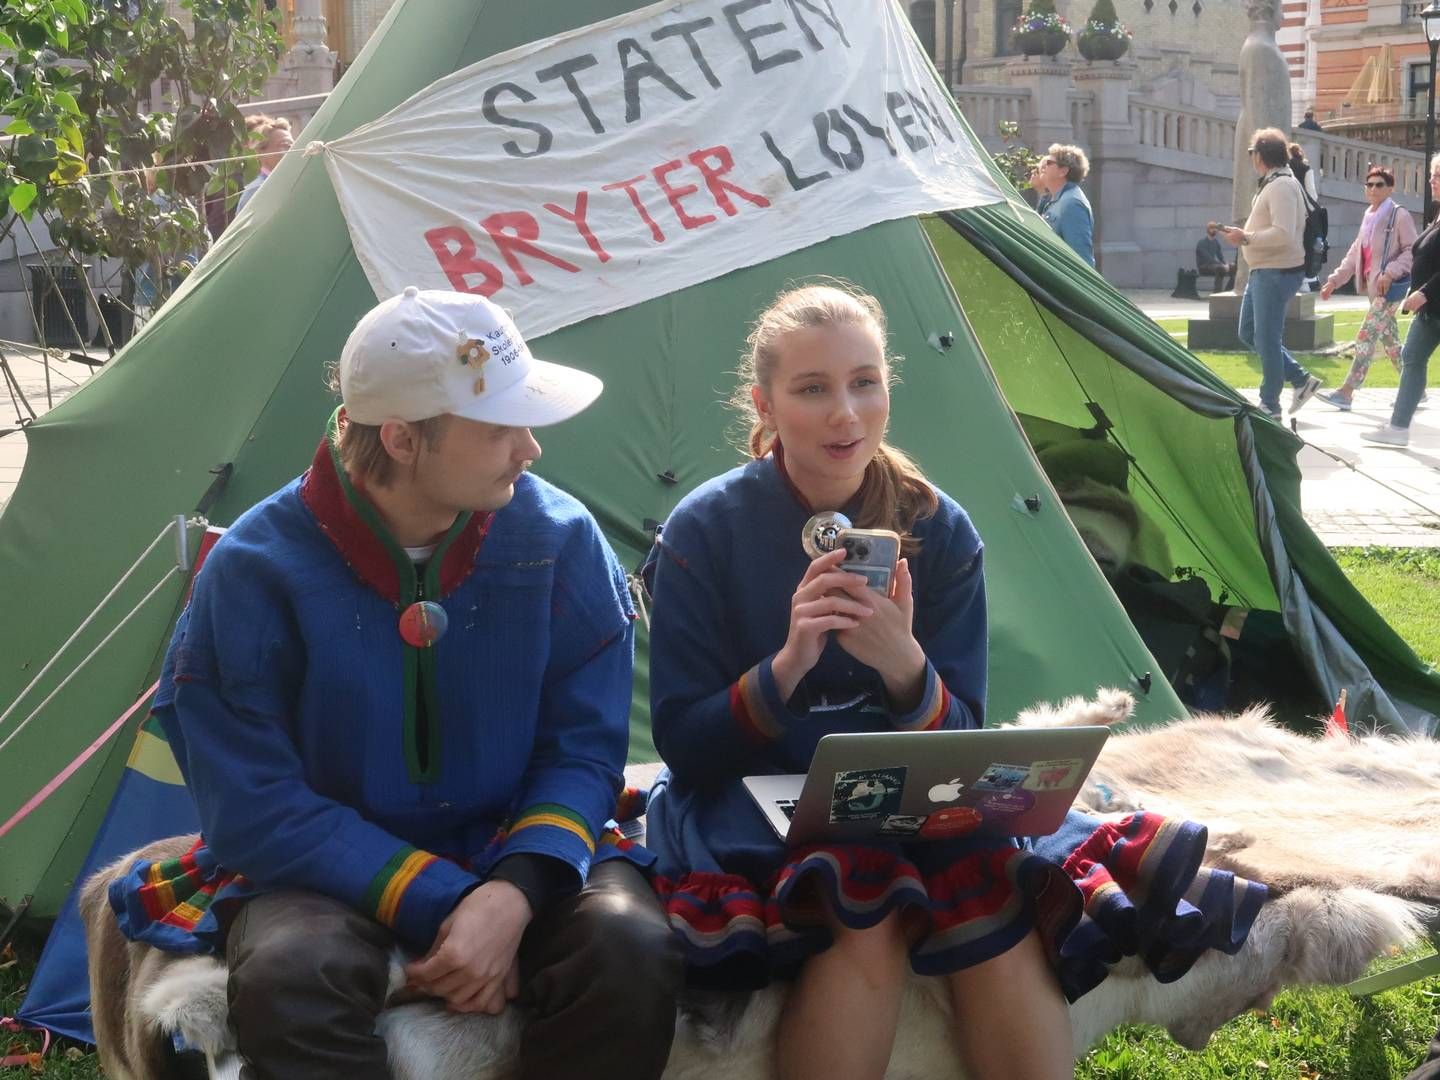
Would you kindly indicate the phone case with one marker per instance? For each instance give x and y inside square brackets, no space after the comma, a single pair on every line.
[871,553]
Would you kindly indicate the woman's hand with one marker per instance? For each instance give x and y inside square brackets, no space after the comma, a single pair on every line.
[826,599]
[1413,303]
[1382,286]
[1328,290]
[886,642]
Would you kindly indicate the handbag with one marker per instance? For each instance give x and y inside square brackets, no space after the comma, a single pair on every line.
[1399,286]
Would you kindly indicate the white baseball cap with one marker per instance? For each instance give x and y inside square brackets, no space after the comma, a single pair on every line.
[432,351]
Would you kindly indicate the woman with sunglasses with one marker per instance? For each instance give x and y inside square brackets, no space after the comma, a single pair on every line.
[1424,333]
[1379,261]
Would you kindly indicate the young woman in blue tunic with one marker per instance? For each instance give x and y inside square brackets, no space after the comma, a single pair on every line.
[757,651]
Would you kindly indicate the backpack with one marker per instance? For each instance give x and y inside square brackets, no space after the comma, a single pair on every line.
[1317,234]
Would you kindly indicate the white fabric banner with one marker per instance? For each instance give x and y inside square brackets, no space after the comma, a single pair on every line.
[665,147]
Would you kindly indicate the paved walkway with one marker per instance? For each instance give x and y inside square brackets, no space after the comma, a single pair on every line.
[1353,493]
[1161,305]
[28,368]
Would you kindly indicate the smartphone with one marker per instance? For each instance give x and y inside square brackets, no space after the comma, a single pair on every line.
[871,553]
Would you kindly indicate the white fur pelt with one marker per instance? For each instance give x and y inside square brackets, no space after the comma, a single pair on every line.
[1309,937]
[1328,855]
[1282,808]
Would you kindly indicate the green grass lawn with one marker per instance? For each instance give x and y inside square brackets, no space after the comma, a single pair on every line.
[1404,586]
[1307,1035]
[1242,369]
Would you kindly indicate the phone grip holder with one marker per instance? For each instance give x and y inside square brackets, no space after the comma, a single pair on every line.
[822,532]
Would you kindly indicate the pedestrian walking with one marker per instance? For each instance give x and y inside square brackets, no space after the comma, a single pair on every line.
[1379,261]
[1273,239]
[1424,333]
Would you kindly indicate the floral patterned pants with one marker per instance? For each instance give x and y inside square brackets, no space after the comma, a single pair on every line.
[1378,331]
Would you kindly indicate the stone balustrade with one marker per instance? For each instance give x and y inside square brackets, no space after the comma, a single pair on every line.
[1343,163]
[1082,109]
[298,110]
[1159,172]
[1186,131]
[987,107]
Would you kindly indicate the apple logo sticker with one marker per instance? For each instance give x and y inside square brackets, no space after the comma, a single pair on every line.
[947,792]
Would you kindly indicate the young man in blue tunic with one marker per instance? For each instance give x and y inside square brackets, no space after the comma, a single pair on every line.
[400,696]
[757,652]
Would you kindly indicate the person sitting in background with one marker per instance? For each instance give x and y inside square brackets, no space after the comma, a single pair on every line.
[1379,261]
[1065,207]
[1210,259]
[275,140]
[1309,123]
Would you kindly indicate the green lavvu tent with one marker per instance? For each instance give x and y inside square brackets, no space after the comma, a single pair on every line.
[221,399]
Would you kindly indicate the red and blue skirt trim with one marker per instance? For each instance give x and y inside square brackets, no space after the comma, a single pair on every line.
[1095,891]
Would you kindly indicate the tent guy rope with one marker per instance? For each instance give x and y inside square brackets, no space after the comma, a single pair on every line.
[177,525]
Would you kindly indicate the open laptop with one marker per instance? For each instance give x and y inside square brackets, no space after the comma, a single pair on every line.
[932,785]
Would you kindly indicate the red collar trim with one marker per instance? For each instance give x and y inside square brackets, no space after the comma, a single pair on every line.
[777,452]
[371,557]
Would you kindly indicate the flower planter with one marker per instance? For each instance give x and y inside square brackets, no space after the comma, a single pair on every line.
[1048,41]
[1102,45]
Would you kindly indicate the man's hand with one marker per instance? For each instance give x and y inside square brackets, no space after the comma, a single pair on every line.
[1413,303]
[1233,234]
[472,962]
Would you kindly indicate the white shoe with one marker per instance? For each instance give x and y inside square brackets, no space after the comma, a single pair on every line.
[1304,392]
[1389,435]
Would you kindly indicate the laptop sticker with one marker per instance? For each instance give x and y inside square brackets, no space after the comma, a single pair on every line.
[1058,775]
[1003,806]
[1002,777]
[950,822]
[902,824]
[866,794]
[946,792]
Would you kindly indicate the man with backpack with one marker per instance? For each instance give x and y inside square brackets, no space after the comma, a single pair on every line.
[1274,241]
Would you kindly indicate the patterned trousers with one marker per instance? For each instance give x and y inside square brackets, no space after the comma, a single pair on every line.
[1378,331]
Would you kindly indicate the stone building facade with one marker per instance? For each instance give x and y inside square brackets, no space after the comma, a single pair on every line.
[348,24]
[1347,34]
[1197,41]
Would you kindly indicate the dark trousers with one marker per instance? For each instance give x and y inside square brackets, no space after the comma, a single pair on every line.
[1224,275]
[1429,1069]
[599,973]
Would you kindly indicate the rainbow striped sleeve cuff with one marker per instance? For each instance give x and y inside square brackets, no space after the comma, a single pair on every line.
[554,830]
[414,892]
[553,816]
[933,708]
[756,706]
